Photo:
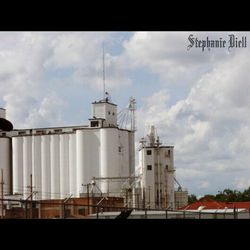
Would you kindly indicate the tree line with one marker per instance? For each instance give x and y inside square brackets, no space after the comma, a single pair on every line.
[227,195]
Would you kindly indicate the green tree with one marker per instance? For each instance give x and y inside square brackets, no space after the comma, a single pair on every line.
[192,198]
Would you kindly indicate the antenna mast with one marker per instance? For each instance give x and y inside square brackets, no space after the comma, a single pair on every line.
[103,71]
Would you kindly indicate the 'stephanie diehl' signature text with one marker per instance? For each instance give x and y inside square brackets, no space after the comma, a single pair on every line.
[232,42]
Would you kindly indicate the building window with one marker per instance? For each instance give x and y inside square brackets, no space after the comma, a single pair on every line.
[166,167]
[119,149]
[149,167]
[109,112]
[94,124]
[149,152]
[22,132]
[113,113]
[169,152]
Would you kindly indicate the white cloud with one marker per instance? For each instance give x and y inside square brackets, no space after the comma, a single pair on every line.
[242,183]
[165,53]
[210,127]
[31,64]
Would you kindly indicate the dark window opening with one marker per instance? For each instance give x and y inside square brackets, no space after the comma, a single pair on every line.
[149,152]
[40,132]
[166,167]
[109,112]
[120,149]
[113,113]
[94,124]
[149,167]
[169,152]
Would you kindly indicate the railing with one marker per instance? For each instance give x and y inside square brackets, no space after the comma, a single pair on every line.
[103,210]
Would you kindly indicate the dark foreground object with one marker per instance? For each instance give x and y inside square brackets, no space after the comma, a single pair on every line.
[5,125]
[124,214]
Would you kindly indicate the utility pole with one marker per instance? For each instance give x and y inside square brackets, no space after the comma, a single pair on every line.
[31,196]
[127,190]
[88,198]
[144,198]
[2,183]
[87,185]
[149,196]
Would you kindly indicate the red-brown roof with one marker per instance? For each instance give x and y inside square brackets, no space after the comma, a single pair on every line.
[208,203]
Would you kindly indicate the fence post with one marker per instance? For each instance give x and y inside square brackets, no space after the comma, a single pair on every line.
[97,212]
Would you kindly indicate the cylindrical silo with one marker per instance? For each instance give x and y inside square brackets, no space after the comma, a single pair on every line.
[94,153]
[109,159]
[90,156]
[36,166]
[72,165]
[5,162]
[17,152]
[45,160]
[27,164]
[64,165]
[104,159]
[80,160]
[55,167]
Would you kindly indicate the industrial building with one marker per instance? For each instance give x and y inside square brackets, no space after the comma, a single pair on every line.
[156,168]
[99,158]
[63,160]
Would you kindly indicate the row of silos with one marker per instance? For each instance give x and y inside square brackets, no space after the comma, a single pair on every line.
[63,164]
[46,157]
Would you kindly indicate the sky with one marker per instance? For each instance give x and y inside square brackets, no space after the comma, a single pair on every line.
[198,100]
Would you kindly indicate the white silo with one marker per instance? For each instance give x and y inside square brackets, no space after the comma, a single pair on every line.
[87,142]
[104,159]
[17,152]
[64,165]
[27,164]
[36,166]
[79,160]
[55,169]
[45,164]
[72,165]
[109,159]
[5,162]
[92,148]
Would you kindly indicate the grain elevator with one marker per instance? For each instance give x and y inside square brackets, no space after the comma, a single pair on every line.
[64,160]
